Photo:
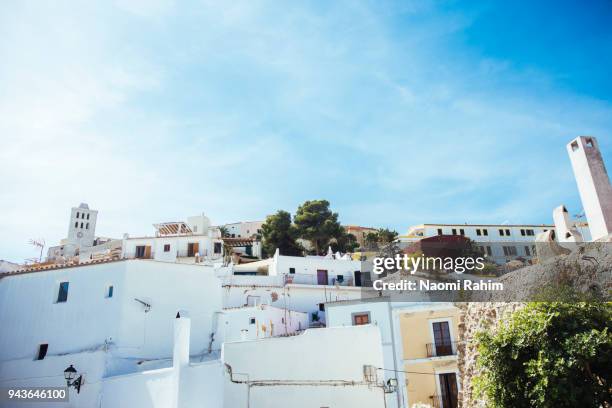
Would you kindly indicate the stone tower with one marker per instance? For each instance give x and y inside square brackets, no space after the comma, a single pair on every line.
[82,227]
[593,185]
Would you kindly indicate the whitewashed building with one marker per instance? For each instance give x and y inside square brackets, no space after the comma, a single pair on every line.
[402,338]
[320,368]
[244,229]
[500,242]
[191,241]
[147,331]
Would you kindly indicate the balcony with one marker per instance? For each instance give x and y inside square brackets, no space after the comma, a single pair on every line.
[448,348]
[134,255]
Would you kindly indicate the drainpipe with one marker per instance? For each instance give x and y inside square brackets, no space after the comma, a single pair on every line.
[401,383]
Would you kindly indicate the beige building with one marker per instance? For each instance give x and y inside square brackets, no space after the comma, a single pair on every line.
[359,232]
[429,347]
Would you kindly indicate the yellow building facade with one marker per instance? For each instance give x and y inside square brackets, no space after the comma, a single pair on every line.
[429,347]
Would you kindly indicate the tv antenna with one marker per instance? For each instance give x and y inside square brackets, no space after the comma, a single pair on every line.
[39,243]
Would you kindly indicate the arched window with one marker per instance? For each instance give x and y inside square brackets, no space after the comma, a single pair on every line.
[76,224]
[87,216]
[77,214]
[81,225]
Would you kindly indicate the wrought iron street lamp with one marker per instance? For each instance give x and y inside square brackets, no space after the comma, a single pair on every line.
[70,374]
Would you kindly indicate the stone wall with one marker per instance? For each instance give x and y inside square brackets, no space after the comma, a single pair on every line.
[587,268]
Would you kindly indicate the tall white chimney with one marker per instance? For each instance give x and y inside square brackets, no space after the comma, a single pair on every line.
[593,185]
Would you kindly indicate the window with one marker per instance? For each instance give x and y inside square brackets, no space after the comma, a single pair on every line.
[509,251]
[217,248]
[461,231]
[486,232]
[454,231]
[42,351]
[321,307]
[87,226]
[166,247]
[527,251]
[252,320]
[478,232]
[574,146]
[87,216]
[523,232]
[590,143]
[489,252]
[109,291]
[339,278]
[291,270]
[501,232]
[81,225]
[530,232]
[76,224]
[439,231]
[77,214]
[361,318]
[62,293]
[507,232]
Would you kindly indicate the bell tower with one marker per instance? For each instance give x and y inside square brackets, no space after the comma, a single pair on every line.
[82,227]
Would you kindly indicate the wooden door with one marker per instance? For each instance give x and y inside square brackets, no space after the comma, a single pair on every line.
[448,390]
[147,252]
[442,339]
[322,277]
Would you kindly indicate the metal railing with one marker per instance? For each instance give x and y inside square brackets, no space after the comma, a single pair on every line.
[307,279]
[447,348]
[132,255]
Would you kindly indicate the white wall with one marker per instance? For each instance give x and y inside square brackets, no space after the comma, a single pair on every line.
[178,247]
[30,316]
[269,321]
[301,298]
[341,315]
[308,266]
[322,355]
[148,389]
[50,373]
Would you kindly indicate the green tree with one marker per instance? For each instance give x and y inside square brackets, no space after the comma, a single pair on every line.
[371,241]
[346,243]
[224,231]
[316,223]
[549,354]
[278,232]
[386,236]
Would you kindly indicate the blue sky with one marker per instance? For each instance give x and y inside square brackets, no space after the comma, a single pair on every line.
[398,113]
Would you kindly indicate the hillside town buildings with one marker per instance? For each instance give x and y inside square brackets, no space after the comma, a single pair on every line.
[187,317]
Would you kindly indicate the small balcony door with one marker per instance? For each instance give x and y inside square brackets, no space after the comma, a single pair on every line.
[322,278]
[443,345]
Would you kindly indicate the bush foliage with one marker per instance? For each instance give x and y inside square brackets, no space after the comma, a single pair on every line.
[549,354]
